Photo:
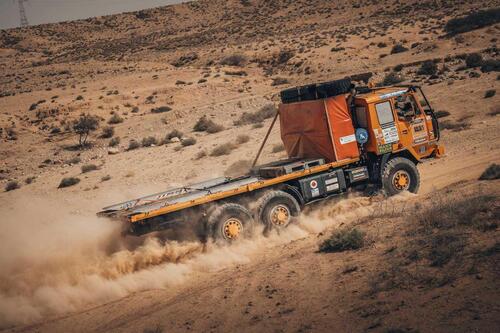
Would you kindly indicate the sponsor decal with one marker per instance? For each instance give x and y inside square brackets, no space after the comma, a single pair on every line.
[348,139]
[383,149]
[390,134]
[313,184]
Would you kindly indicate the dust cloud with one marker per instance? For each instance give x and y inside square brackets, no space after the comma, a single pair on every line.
[54,262]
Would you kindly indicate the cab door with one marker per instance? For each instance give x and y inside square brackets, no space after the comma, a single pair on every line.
[412,120]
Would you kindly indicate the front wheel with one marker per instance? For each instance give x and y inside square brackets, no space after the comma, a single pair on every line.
[399,175]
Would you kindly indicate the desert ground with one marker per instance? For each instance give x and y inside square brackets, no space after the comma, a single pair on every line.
[185,93]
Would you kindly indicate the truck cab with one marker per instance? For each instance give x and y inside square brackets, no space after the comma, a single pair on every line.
[397,122]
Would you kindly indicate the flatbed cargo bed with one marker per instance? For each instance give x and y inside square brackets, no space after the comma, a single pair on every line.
[215,189]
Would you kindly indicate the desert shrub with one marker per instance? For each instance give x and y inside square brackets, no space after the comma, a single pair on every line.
[398,68]
[398,48]
[74,160]
[188,142]
[105,178]
[478,210]
[278,148]
[392,78]
[149,141]
[223,149]
[242,138]
[174,134]
[207,125]
[381,45]
[185,59]
[79,97]
[161,109]
[476,20]
[234,60]
[135,109]
[68,181]
[490,93]
[259,116]
[473,60]
[115,119]
[454,126]
[238,168]
[427,68]
[441,114]
[343,240]
[12,185]
[490,65]
[83,126]
[491,173]
[107,132]
[88,167]
[236,73]
[444,247]
[157,329]
[133,144]
[30,180]
[114,142]
[277,81]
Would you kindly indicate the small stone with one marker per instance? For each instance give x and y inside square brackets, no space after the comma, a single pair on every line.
[113,151]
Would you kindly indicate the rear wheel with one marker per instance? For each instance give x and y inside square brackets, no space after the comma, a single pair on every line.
[277,209]
[400,174]
[230,222]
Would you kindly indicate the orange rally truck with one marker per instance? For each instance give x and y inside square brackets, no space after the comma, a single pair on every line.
[337,136]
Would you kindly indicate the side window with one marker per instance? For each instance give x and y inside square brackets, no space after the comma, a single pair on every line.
[384,113]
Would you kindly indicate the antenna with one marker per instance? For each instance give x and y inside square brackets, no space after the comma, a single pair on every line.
[22,13]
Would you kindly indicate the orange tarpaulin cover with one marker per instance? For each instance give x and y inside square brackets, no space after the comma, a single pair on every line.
[318,129]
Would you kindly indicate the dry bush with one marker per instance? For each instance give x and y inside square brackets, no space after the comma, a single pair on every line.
[392,78]
[83,126]
[199,155]
[133,144]
[278,81]
[223,149]
[473,21]
[234,60]
[115,119]
[188,142]
[88,167]
[242,138]
[441,114]
[343,240]
[236,73]
[490,93]
[454,126]
[74,160]
[207,125]
[108,132]
[161,109]
[238,168]
[259,116]
[494,111]
[114,142]
[398,48]
[30,180]
[490,65]
[428,67]
[473,60]
[12,185]
[491,173]
[105,178]
[68,181]
[149,141]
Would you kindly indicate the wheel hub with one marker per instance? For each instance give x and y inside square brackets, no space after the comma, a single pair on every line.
[280,215]
[232,228]
[401,180]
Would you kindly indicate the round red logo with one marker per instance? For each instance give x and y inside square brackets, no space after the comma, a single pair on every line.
[313,184]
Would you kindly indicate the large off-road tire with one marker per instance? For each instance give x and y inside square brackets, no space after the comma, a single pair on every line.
[316,91]
[230,222]
[277,209]
[400,174]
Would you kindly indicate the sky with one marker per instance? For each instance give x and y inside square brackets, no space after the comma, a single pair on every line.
[50,11]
